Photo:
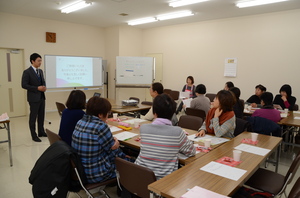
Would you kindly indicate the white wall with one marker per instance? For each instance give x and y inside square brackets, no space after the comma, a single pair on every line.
[267,47]
[29,33]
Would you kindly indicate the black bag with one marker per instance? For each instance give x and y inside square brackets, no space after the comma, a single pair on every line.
[244,192]
[50,176]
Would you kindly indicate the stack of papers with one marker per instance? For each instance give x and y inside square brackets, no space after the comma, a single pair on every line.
[132,121]
[125,135]
[214,140]
[252,149]
[187,102]
[114,129]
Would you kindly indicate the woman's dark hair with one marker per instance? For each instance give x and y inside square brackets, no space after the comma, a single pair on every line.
[226,100]
[34,56]
[267,98]
[76,100]
[97,105]
[200,89]
[261,87]
[158,87]
[191,78]
[229,84]
[164,106]
[287,89]
[237,93]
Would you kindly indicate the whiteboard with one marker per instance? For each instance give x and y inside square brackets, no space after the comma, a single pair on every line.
[137,71]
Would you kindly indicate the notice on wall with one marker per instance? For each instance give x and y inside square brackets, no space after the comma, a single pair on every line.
[230,67]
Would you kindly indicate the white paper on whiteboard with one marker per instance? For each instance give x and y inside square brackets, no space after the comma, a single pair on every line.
[230,67]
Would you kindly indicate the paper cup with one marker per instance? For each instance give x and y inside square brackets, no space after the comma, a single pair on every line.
[136,124]
[254,136]
[237,155]
[115,116]
[249,108]
[286,111]
[207,143]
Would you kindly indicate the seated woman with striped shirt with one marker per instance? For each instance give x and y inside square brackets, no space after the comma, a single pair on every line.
[161,142]
[220,119]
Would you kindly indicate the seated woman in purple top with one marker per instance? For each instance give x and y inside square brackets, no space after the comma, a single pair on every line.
[267,111]
[70,116]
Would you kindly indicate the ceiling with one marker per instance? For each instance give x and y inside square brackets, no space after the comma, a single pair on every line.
[106,13]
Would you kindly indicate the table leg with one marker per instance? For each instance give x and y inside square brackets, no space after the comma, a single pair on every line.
[9,143]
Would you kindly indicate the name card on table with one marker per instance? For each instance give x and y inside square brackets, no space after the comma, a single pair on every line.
[224,170]
[252,149]
[125,135]
[196,191]
[214,140]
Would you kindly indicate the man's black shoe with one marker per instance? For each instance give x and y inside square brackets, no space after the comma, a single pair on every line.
[36,139]
[42,135]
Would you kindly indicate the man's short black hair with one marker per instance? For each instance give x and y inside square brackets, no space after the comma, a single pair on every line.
[34,56]
[200,89]
[164,106]
[261,87]
[267,98]
[158,87]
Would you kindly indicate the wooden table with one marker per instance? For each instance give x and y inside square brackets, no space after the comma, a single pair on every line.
[131,143]
[177,183]
[291,122]
[118,108]
[7,127]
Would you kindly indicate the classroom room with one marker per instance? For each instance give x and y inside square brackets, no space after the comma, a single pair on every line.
[264,44]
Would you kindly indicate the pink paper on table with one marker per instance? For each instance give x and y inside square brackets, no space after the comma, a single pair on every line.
[196,191]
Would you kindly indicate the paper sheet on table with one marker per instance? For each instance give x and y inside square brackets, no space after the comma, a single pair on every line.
[224,170]
[187,102]
[283,115]
[297,118]
[185,94]
[214,140]
[196,191]
[296,112]
[181,156]
[133,120]
[252,149]
[114,129]
[125,135]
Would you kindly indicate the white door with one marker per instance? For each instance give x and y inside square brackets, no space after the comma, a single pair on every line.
[13,98]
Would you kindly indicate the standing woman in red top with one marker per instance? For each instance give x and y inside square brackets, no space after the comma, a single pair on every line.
[285,99]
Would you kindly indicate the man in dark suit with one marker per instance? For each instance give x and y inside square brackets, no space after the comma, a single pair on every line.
[33,81]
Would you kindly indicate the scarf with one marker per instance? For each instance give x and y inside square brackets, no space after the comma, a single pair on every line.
[223,118]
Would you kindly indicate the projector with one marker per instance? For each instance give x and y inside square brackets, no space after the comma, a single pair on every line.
[130,102]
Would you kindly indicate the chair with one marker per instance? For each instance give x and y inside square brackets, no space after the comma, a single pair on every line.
[272,182]
[147,103]
[174,94]
[135,98]
[167,91]
[52,137]
[88,187]
[296,107]
[190,122]
[134,178]
[195,112]
[211,96]
[241,126]
[295,191]
[264,126]
[60,107]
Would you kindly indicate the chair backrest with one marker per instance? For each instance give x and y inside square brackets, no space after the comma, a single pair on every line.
[147,103]
[295,192]
[167,91]
[60,107]
[292,170]
[296,107]
[134,178]
[211,96]
[190,122]
[195,112]
[241,126]
[135,98]
[52,137]
[174,94]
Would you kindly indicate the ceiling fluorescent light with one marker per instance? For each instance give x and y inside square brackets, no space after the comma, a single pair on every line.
[174,15]
[142,21]
[75,6]
[184,2]
[257,3]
